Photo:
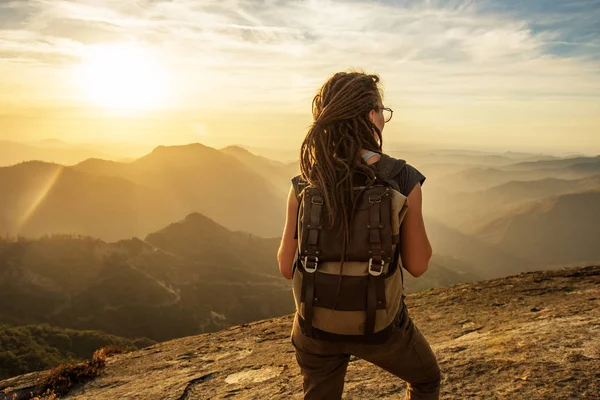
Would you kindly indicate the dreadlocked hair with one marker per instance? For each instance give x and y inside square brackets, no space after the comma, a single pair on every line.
[330,152]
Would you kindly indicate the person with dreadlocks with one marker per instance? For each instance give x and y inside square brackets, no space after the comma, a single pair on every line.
[342,150]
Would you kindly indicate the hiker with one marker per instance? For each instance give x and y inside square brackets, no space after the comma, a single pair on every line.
[354,220]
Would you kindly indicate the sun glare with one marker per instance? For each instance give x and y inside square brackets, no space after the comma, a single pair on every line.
[123,76]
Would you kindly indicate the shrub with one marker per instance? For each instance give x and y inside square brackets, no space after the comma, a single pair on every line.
[113,349]
[47,395]
[62,378]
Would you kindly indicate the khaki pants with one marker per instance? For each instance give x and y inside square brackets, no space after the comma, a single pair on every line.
[406,354]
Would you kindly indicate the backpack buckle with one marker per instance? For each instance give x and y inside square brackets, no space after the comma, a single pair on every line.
[311,270]
[373,271]
[374,200]
[316,200]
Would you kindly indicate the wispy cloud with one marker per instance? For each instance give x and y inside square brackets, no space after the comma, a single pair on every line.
[276,53]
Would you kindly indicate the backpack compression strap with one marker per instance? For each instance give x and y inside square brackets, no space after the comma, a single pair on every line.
[311,258]
[375,263]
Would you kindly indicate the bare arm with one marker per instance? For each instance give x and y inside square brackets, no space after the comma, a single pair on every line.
[415,247]
[287,250]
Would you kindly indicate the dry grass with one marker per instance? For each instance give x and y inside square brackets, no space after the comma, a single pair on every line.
[47,395]
[114,349]
[60,380]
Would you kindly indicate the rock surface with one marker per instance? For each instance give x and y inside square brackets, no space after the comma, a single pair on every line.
[531,336]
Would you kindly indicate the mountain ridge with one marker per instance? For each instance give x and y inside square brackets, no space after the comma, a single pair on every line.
[541,228]
[184,273]
[147,193]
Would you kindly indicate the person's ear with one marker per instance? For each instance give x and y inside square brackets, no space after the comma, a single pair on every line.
[372,116]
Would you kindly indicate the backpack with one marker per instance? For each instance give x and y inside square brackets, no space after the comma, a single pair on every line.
[371,281]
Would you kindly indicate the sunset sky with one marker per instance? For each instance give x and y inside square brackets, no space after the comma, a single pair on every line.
[497,74]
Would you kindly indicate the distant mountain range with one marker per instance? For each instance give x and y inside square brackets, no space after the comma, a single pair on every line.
[555,164]
[192,276]
[57,151]
[557,230]
[279,174]
[469,211]
[474,256]
[116,200]
[41,198]
[244,192]
[540,214]
[132,288]
[479,178]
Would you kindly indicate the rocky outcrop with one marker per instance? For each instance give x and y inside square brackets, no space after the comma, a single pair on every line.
[530,336]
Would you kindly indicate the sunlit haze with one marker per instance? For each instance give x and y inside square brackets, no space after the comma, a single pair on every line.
[489,75]
[123,76]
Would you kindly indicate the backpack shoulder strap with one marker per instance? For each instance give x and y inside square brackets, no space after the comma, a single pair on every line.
[388,168]
[299,185]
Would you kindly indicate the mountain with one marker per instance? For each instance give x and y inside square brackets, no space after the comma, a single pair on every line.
[530,336]
[117,200]
[468,211]
[480,178]
[97,166]
[524,157]
[554,163]
[558,230]
[197,237]
[50,151]
[475,256]
[41,198]
[198,178]
[260,163]
[519,191]
[285,155]
[83,283]
[463,158]
[279,174]
[192,276]
[443,271]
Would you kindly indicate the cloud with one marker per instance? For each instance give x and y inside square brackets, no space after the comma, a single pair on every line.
[277,53]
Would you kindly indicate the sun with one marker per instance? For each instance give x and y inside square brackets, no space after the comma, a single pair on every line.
[123,76]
